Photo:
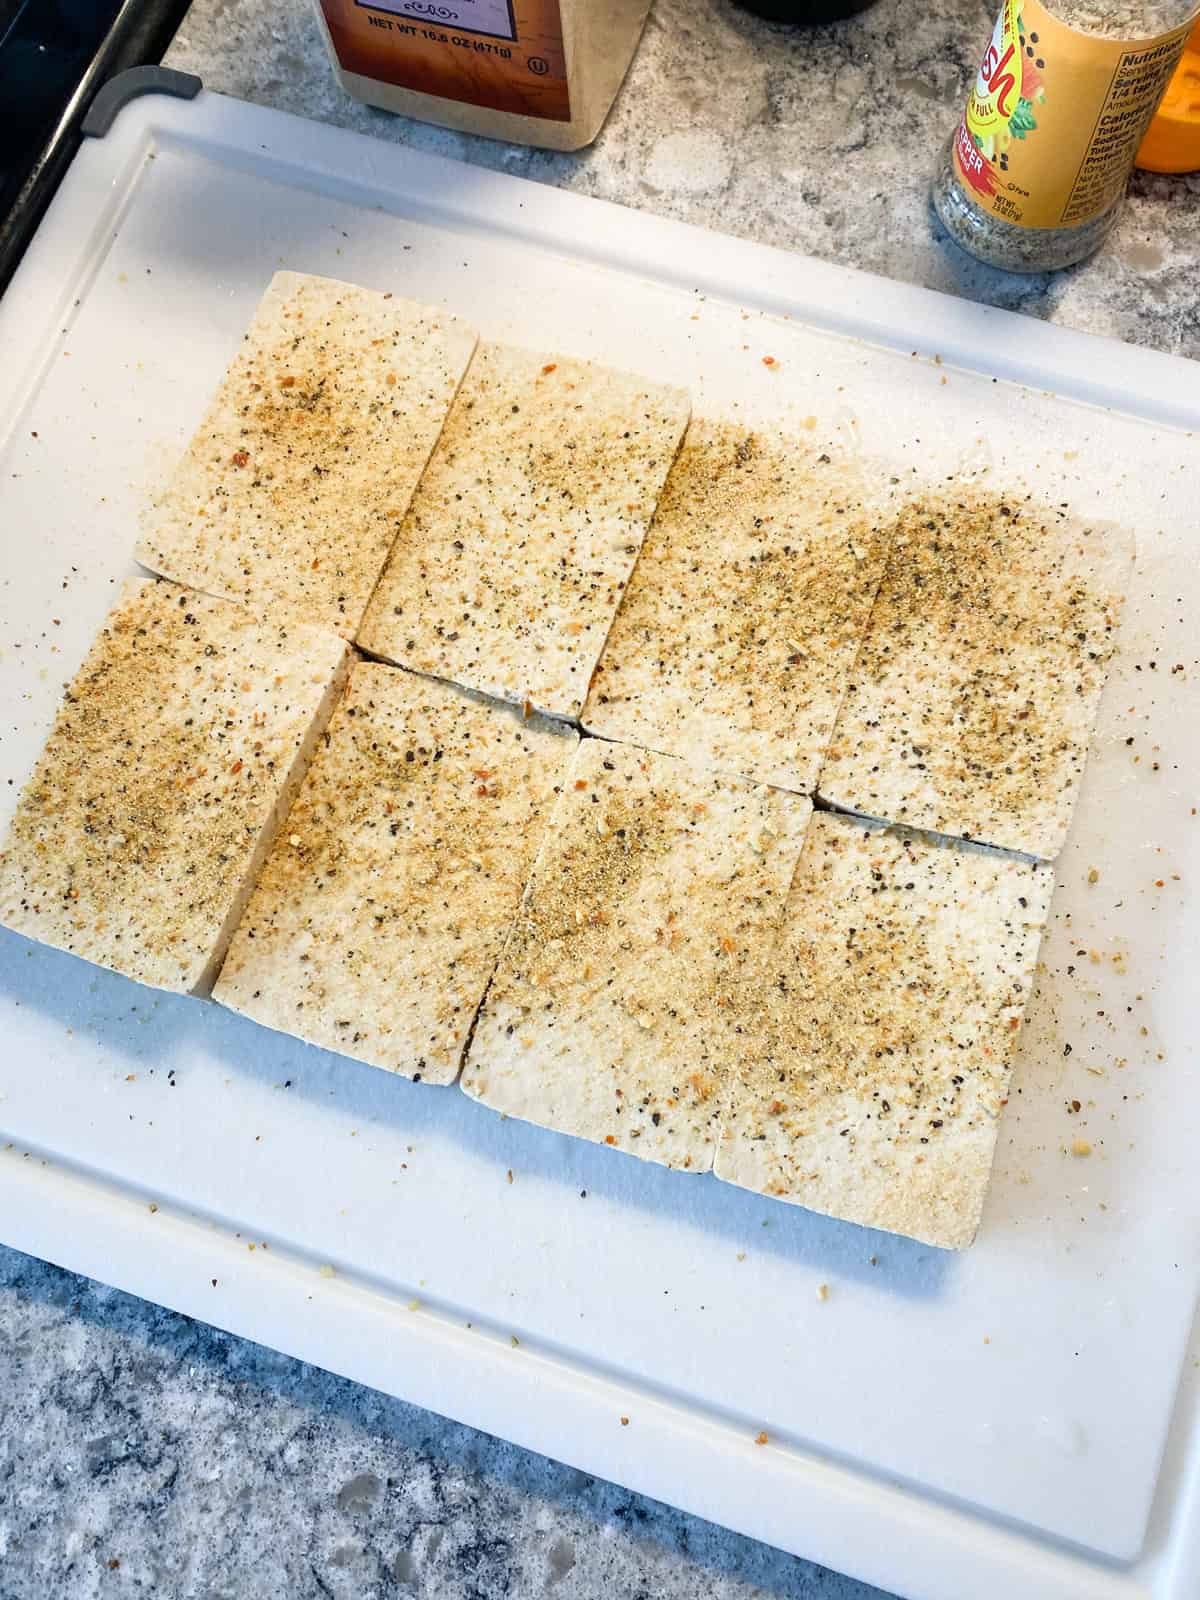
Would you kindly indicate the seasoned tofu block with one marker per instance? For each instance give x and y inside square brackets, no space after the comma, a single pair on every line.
[871,1081]
[298,478]
[617,1004]
[376,923]
[736,636]
[972,702]
[511,564]
[178,746]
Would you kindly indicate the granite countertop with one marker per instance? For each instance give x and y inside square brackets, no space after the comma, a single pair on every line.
[141,1453]
[821,140]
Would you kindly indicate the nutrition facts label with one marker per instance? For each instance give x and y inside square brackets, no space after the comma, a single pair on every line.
[1136,88]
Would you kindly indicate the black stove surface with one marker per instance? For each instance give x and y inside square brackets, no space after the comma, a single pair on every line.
[54,56]
[46,48]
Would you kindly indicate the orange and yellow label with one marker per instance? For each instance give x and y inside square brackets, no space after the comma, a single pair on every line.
[1054,117]
[506,55]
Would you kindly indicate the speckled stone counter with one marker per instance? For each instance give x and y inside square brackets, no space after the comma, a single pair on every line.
[820,140]
[144,1454]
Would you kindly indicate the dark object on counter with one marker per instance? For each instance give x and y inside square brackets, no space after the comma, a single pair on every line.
[802,15]
[54,56]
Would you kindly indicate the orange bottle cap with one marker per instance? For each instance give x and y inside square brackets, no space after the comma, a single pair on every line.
[1172,142]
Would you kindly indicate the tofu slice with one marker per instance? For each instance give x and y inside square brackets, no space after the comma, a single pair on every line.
[870,1084]
[377,921]
[614,1011]
[511,564]
[298,478]
[178,746]
[736,636]
[971,705]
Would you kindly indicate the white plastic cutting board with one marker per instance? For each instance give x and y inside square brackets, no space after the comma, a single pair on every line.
[992,1424]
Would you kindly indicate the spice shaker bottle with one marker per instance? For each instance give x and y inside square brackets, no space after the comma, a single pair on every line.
[1036,170]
